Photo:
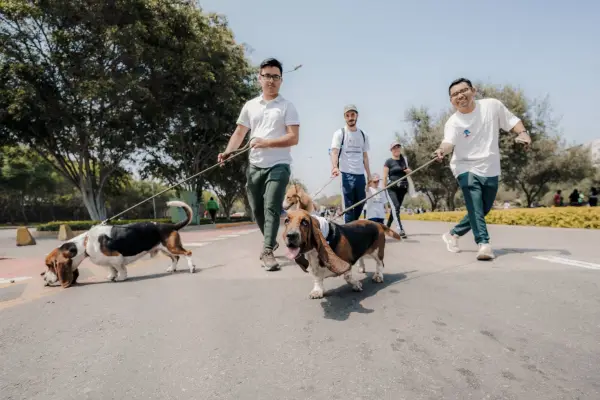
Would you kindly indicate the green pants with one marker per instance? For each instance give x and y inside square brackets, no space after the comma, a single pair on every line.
[266,190]
[479,193]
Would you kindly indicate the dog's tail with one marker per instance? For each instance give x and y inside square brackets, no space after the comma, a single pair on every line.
[189,214]
[390,232]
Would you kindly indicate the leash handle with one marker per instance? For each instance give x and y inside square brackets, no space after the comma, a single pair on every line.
[234,153]
[385,188]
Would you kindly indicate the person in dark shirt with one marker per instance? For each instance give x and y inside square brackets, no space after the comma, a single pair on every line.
[394,169]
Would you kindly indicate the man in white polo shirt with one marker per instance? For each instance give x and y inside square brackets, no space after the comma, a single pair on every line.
[274,125]
[349,155]
[473,133]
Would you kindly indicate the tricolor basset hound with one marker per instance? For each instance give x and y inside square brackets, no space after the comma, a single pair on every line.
[116,246]
[296,196]
[332,249]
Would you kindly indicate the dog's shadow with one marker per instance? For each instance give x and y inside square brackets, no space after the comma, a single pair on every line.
[340,302]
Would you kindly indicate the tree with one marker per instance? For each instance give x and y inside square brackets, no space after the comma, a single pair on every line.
[229,183]
[548,161]
[436,181]
[88,84]
[206,114]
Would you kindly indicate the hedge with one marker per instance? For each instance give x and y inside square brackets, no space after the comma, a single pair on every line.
[54,226]
[557,217]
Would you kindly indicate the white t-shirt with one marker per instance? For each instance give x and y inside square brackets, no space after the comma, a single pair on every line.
[351,158]
[475,137]
[375,206]
[268,120]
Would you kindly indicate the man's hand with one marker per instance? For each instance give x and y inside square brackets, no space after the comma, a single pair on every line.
[335,171]
[259,143]
[222,157]
[439,154]
[407,171]
[524,139]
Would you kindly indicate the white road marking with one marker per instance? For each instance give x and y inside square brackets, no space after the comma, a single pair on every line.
[195,244]
[12,280]
[231,235]
[568,261]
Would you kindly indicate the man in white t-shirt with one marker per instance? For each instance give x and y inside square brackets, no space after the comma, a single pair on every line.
[473,133]
[274,125]
[352,161]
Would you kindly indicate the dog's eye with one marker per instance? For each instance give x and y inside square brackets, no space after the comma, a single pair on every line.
[304,222]
[287,221]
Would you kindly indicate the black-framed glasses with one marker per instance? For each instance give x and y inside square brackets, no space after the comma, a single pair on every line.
[271,77]
[462,91]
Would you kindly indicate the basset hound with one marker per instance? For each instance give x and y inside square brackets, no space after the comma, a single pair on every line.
[296,196]
[116,246]
[332,249]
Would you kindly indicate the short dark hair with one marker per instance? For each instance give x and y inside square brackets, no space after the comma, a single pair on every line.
[457,81]
[272,62]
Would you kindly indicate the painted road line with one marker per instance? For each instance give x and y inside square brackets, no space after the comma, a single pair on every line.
[195,244]
[13,280]
[568,261]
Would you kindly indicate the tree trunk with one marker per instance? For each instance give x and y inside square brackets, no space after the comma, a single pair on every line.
[94,204]
[23,212]
[248,209]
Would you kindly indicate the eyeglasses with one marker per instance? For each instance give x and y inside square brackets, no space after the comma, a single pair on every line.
[462,91]
[271,77]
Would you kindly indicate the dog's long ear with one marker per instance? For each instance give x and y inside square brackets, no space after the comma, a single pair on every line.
[63,268]
[326,255]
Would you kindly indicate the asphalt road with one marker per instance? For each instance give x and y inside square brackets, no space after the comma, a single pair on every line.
[441,326]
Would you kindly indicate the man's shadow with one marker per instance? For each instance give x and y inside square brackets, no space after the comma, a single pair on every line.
[340,302]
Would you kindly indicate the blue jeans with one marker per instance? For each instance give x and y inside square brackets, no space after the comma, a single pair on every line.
[380,220]
[353,190]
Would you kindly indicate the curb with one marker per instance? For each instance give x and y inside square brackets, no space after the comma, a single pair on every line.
[233,224]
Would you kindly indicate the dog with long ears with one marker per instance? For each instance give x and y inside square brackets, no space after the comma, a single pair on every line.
[333,249]
[116,246]
[296,196]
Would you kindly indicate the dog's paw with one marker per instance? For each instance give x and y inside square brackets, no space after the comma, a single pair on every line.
[171,269]
[111,277]
[121,278]
[361,270]
[316,294]
[192,269]
[378,278]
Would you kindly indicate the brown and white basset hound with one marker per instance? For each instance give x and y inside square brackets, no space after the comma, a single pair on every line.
[296,196]
[116,246]
[333,249]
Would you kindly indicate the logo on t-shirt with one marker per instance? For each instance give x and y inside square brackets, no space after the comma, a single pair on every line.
[466,132]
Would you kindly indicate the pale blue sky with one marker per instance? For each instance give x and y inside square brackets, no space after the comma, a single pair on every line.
[386,56]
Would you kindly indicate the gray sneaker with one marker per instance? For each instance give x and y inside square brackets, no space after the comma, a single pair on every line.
[451,242]
[269,261]
[274,249]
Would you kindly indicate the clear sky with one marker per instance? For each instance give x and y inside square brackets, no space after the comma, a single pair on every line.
[386,56]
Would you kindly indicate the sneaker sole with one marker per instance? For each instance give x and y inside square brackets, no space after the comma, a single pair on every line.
[484,257]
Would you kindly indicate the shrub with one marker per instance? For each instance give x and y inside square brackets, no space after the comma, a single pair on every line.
[54,226]
[557,217]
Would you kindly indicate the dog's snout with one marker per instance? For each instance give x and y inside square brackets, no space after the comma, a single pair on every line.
[292,235]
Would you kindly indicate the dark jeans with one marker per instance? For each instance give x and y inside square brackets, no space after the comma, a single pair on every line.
[396,196]
[353,190]
[266,190]
[479,193]
[213,214]
[380,220]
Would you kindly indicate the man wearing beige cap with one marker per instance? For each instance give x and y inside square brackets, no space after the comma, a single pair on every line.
[349,156]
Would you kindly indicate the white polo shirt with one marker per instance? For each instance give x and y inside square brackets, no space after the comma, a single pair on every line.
[268,119]
[351,157]
[475,137]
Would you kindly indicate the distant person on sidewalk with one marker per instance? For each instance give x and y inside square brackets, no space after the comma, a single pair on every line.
[472,135]
[349,155]
[375,206]
[593,197]
[395,168]
[275,125]
[212,206]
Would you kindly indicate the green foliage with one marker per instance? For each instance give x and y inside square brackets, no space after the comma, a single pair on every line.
[88,85]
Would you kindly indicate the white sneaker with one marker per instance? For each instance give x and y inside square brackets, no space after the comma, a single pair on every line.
[451,242]
[485,252]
